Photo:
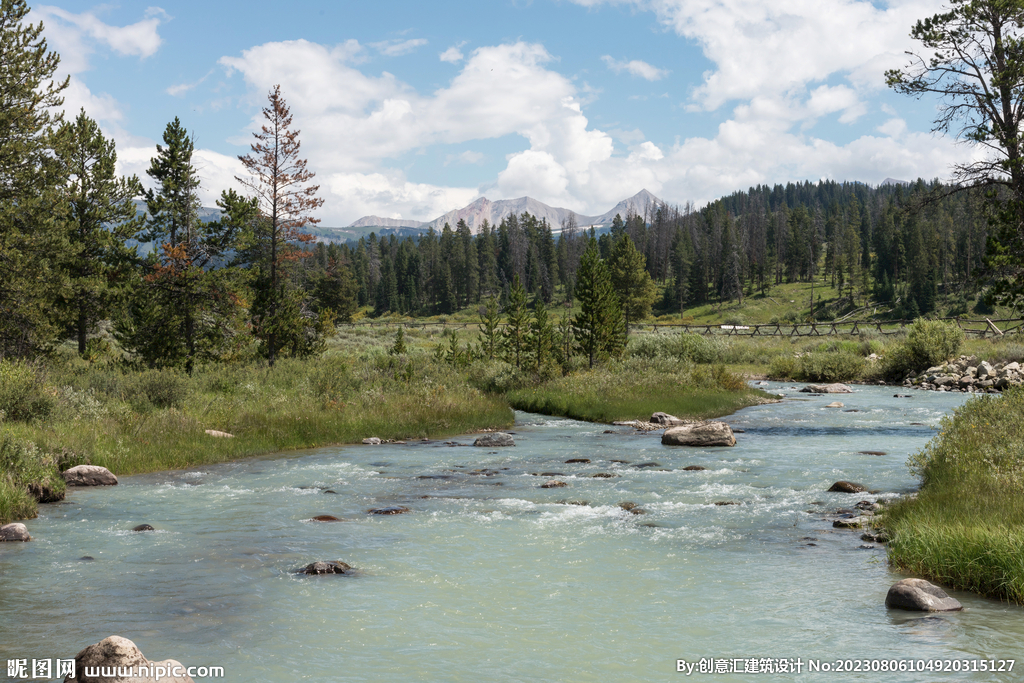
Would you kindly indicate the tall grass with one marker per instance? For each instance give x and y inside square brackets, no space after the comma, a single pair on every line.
[965,528]
[134,422]
[637,387]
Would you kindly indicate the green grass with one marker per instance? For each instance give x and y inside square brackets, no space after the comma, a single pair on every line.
[132,422]
[965,528]
[635,388]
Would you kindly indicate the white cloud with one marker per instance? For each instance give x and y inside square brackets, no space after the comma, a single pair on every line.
[453,55]
[69,30]
[396,48]
[635,67]
[182,88]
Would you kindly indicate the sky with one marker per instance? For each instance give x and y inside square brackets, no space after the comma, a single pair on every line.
[412,109]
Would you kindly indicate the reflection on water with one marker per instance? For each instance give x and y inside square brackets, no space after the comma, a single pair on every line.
[492,577]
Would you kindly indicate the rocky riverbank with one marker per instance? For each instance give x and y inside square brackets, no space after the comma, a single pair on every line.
[966,374]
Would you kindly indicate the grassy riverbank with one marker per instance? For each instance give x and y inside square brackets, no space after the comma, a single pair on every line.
[71,412]
[965,528]
[637,387]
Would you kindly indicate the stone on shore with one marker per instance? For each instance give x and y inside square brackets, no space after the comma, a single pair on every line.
[117,652]
[45,493]
[702,434]
[371,441]
[14,532]
[666,419]
[920,596]
[846,487]
[494,440]
[219,434]
[89,475]
[827,389]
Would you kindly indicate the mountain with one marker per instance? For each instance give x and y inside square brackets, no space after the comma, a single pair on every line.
[378,222]
[893,181]
[484,209]
[643,202]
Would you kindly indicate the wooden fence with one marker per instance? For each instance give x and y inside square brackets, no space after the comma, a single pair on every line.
[978,328]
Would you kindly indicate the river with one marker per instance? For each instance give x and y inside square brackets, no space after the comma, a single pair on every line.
[492,578]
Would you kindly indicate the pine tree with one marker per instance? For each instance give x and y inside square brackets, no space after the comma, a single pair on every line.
[490,329]
[542,337]
[632,282]
[598,328]
[183,308]
[285,197]
[31,212]
[517,328]
[101,217]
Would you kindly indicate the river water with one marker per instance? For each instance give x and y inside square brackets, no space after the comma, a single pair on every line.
[492,578]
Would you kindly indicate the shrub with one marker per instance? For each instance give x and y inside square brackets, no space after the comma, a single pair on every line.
[497,376]
[838,366]
[165,388]
[783,367]
[702,349]
[928,343]
[22,392]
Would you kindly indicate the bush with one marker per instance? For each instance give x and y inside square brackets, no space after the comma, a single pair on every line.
[165,388]
[497,376]
[783,367]
[697,348]
[22,392]
[838,366]
[26,473]
[928,343]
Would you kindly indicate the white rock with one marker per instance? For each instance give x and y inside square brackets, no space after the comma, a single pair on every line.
[89,475]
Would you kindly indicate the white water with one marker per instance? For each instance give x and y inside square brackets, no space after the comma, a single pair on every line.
[490,577]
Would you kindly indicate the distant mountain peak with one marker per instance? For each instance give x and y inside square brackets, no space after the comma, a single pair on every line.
[893,181]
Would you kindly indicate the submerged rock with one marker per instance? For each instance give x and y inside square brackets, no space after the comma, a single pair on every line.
[325,518]
[834,404]
[117,652]
[553,484]
[871,452]
[846,487]
[702,434]
[920,596]
[89,475]
[326,567]
[827,389]
[603,475]
[390,510]
[143,527]
[14,532]
[575,461]
[494,440]
[694,468]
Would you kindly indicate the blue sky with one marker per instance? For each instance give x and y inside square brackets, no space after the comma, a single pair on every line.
[410,109]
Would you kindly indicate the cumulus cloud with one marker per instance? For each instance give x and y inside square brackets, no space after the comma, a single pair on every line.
[70,31]
[453,55]
[635,67]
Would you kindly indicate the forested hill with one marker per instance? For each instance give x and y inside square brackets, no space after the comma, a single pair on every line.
[905,247]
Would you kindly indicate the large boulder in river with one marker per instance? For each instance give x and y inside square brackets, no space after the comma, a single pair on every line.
[494,440]
[920,596]
[14,532]
[89,475]
[846,487]
[702,434]
[115,652]
[827,389]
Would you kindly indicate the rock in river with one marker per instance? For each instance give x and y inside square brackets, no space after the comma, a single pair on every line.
[89,475]
[14,532]
[846,487]
[702,434]
[117,652]
[143,527]
[553,484]
[920,596]
[494,439]
[390,510]
[326,567]
[666,419]
[827,389]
